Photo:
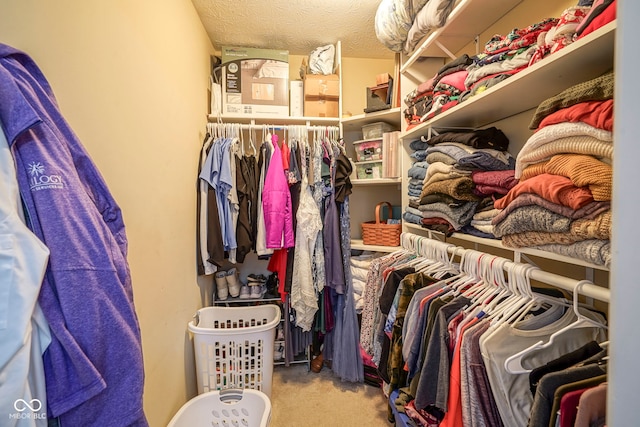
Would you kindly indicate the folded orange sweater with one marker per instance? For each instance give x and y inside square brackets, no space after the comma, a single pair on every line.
[583,170]
[555,188]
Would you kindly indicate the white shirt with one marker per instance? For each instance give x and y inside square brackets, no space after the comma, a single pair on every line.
[24,332]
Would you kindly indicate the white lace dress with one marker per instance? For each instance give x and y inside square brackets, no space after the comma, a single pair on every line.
[304,298]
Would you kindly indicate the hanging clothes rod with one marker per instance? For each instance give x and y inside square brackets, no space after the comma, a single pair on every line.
[416,243]
[276,127]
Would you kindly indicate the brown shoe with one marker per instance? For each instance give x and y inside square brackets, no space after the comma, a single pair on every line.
[317,363]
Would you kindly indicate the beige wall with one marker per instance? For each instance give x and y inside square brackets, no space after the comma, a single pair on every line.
[357,75]
[131,78]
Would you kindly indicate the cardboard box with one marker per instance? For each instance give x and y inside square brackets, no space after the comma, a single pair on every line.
[296,99]
[320,85]
[321,95]
[255,82]
[382,78]
[321,107]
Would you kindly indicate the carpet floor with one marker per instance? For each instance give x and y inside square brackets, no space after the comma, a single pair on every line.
[301,398]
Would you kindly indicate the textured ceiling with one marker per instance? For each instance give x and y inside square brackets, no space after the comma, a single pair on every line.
[296,25]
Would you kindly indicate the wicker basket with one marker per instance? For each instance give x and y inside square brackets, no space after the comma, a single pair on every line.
[379,232]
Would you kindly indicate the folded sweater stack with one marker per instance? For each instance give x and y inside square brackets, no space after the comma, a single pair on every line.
[562,200]
[450,195]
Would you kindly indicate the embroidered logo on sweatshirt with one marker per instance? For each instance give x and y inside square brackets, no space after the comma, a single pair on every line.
[41,181]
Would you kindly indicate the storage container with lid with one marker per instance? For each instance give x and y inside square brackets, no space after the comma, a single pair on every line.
[368,149]
[375,130]
[369,170]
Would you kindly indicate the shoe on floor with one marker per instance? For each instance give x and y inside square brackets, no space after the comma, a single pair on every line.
[245,292]
[256,278]
[317,363]
[256,291]
[278,353]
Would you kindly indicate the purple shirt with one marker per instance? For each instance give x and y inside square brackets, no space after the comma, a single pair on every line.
[93,366]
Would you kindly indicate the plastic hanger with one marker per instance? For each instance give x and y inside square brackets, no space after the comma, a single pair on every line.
[444,264]
[531,300]
[513,364]
[252,138]
[434,256]
[509,302]
[466,276]
[470,275]
[241,138]
[491,285]
[502,289]
[424,257]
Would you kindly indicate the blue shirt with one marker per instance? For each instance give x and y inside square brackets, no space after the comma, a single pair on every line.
[217,172]
[93,366]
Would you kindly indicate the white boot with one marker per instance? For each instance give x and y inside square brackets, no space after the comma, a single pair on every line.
[233,282]
[221,285]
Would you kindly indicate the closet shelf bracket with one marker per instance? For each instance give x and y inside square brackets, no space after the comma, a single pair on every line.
[445,50]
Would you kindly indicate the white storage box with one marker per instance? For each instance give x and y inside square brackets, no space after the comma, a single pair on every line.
[233,347]
[375,130]
[231,407]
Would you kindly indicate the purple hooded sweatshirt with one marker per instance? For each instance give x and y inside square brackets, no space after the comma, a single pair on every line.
[93,366]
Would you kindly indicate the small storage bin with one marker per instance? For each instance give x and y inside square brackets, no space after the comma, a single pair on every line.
[368,149]
[231,407]
[375,130]
[369,170]
[233,347]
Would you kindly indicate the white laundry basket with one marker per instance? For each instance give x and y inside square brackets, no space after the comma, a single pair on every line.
[225,408]
[234,347]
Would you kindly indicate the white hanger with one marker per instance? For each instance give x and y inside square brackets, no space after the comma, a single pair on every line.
[445,264]
[241,138]
[513,364]
[407,243]
[252,137]
[491,285]
[514,300]
[523,284]
[424,255]
[466,276]
[434,257]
